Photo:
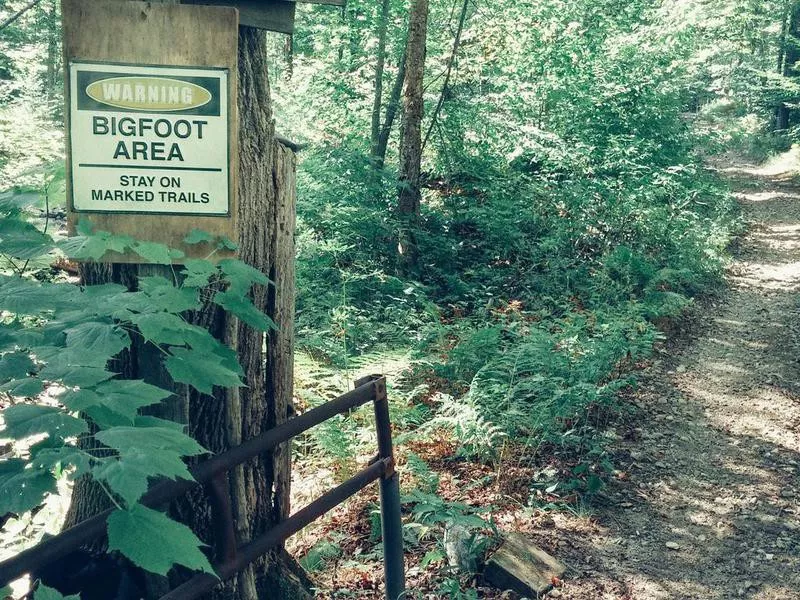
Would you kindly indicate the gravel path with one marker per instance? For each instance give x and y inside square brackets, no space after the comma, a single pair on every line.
[708,502]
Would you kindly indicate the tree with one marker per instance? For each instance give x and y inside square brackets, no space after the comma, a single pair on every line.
[411,145]
[259,489]
[789,55]
[383,23]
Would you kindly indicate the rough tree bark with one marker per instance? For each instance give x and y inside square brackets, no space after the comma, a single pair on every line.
[259,489]
[411,144]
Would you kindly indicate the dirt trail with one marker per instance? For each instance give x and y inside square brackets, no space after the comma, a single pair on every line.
[709,506]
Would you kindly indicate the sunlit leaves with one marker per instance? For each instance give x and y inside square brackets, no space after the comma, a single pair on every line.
[22,420]
[57,344]
[23,488]
[21,239]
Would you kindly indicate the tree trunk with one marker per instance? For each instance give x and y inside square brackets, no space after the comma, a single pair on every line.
[391,113]
[791,55]
[377,102]
[445,86]
[259,489]
[411,145]
[288,54]
[52,78]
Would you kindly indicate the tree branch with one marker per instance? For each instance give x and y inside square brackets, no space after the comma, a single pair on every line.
[17,15]
[456,43]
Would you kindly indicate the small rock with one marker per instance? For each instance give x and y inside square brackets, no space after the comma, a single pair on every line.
[787,493]
[673,545]
[701,538]
[769,556]
[556,593]
[458,541]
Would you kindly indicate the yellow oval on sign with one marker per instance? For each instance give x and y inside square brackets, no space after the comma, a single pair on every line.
[157,94]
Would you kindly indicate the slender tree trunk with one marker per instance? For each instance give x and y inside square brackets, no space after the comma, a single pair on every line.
[288,54]
[391,113]
[791,55]
[377,102]
[411,145]
[259,489]
[445,86]
[52,49]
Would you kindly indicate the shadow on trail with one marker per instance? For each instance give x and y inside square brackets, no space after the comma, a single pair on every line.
[706,506]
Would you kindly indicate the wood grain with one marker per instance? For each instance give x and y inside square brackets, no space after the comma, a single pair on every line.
[156,34]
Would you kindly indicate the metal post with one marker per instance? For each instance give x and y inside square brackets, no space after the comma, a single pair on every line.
[391,523]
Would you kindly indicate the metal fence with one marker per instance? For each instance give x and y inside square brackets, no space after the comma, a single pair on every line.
[213,473]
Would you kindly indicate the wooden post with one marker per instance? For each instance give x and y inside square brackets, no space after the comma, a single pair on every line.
[262,222]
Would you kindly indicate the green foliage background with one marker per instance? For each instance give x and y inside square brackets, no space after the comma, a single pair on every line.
[568,213]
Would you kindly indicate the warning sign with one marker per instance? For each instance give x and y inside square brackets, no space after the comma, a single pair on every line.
[149,139]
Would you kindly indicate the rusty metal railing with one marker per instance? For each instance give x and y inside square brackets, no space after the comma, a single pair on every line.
[213,474]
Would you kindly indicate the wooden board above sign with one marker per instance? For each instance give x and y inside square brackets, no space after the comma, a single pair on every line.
[151,120]
[272,15]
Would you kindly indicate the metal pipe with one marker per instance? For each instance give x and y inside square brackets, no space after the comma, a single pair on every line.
[71,539]
[391,518]
[222,518]
[203,583]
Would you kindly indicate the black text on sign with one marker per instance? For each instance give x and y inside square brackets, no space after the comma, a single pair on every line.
[149,139]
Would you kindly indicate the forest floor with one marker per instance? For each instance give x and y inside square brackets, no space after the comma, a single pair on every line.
[707,501]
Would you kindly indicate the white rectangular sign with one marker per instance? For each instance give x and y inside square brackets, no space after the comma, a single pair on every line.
[147,139]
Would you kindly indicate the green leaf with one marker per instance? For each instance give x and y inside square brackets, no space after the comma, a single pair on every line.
[29,387]
[15,365]
[241,275]
[225,243]
[148,421]
[161,328]
[244,309]
[21,488]
[200,370]
[163,295]
[431,556]
[128,476]
[198,236]
[62,369]
[154,542]
[128,395]
[21,239]
[27,297]
[101,340]
[23,420]
[153,252]
[45,593]
[94,246]
[197,272]
[152,439]
[58,458]
[120,397]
